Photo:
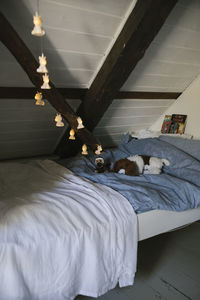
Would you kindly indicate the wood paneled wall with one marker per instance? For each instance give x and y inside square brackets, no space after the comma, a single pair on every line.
[128,115]
[28,130]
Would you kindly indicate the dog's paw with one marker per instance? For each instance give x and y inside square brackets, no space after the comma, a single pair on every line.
[166,162]
[122,171]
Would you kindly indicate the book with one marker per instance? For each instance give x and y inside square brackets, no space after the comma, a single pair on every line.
[166,124]
[178,123]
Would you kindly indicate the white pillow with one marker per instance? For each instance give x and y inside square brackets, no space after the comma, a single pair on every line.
[184,136]
[146,133]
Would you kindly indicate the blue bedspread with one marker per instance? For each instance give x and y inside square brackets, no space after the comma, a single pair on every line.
[177,188]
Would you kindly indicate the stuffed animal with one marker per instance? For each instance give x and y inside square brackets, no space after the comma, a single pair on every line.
[101,167]
[139,164]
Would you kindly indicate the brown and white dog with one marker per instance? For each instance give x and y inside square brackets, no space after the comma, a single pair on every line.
[139,164]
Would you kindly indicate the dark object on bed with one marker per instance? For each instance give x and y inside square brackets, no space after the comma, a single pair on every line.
[140,164]
[101,167]
[127,167]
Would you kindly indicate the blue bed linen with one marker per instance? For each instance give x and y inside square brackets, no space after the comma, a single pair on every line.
[189,146]
[177,188]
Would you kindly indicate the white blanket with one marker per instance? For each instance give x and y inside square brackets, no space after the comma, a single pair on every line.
[62,235]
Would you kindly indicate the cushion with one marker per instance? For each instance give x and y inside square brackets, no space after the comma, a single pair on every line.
[189,146]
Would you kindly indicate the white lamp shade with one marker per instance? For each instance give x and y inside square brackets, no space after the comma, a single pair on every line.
[45,85]
[37,30]
[84,149]
[80,123]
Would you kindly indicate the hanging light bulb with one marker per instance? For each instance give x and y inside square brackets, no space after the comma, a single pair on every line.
[45,85]
[99,150]
[84,149]
[37,30]
[80,123]
[43,62]
[71,134]
[58,120]
[38,98]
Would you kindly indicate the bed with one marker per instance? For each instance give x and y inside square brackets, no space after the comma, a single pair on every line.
[65,230]
[155,222]
[179,204]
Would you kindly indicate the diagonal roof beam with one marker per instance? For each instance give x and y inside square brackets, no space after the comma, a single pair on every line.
[142,26]
[10,38]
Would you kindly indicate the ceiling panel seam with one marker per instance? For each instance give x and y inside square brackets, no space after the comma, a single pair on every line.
[83,9]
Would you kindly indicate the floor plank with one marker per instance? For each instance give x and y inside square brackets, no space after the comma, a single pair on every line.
[168,268]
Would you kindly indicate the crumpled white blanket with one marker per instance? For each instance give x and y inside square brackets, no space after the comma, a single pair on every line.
[62,235]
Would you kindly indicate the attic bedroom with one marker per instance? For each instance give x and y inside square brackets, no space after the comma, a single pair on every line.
[99,149]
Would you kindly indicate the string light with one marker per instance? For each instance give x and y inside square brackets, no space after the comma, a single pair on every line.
[80,123]
[99,150]
[45,85]
[38,31]
[38,98]
[84,149]
[71,134]
[58,120]
[37,21]
[43,62]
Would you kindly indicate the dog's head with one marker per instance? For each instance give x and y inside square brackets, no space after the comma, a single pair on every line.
[99,162]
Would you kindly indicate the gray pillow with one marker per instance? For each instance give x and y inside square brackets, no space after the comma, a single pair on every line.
[191,147]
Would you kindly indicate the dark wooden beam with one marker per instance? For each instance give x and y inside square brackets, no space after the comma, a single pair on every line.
[142,26]
[147,95]
[73,93]
[79,93]
[10,38]
[29,92]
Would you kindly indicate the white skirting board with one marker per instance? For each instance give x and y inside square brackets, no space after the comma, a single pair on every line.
[155,222]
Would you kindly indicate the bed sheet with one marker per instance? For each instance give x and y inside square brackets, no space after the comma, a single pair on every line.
[61,235]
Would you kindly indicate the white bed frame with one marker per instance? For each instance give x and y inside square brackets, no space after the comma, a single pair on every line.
[155,222]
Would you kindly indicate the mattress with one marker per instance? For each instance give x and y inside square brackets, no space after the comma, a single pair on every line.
[155,222]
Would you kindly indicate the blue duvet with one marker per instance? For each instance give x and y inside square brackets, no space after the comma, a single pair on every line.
[177,188]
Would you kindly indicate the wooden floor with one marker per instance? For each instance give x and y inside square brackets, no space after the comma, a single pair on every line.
[168,268]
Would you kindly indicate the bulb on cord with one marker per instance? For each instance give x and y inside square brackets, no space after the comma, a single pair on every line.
[38,98]
[45,85]
[71,134]
[58,120]
[80,123]
[84,150]
[37,30]
[99,150]
[43,62]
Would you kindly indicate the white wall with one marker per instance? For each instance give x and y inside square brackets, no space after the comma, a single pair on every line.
[188,103]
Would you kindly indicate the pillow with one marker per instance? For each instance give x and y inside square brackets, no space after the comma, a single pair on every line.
[126,138]
[144,134]
[183,136]
[192,147]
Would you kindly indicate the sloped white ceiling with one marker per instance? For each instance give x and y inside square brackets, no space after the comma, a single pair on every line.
[78,34]
[173,59]
[170,64]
